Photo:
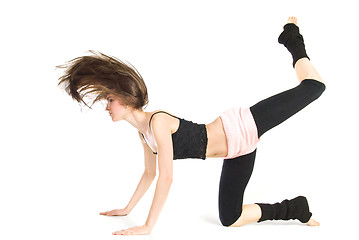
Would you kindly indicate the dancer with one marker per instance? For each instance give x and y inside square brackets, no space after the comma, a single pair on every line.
[165,137]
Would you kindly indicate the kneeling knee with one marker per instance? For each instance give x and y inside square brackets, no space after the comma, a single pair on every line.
[228,220]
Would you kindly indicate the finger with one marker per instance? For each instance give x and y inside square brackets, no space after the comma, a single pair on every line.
[107,213]
[128,233]
[111,213]
[121,232]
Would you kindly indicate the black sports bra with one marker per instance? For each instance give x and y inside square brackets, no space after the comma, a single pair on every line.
[189,141]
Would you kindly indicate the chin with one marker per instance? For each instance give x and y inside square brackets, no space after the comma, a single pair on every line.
[115,120]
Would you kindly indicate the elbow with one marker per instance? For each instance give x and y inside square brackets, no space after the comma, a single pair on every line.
[169,180]
[150,174]
[166,178]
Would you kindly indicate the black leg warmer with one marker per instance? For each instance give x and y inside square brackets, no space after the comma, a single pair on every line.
[293,41]
[296,208]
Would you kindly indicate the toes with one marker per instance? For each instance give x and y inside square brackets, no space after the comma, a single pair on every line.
[313,223]
[292,20]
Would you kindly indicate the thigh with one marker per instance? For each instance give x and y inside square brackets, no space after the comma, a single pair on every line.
[235,175]
[278,108]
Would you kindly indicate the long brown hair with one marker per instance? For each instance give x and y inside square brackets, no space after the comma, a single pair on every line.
[98,75]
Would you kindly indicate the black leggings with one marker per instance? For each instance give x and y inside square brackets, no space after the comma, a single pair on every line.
[267,114]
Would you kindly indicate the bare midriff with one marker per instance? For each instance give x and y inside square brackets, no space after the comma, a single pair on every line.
[217,141]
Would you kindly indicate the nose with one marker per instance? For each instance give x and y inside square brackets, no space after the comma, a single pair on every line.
[107,107]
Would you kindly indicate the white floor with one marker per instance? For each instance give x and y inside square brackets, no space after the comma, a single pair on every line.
[65,204]
[60,167]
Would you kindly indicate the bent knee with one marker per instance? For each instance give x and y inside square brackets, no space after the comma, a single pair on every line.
[228,220]
[315,87]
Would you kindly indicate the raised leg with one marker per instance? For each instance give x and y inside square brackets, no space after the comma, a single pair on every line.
[303,67]
[305,70]
[276,109]
[294,42]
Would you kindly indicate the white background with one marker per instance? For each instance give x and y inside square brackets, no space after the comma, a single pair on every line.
[61,166]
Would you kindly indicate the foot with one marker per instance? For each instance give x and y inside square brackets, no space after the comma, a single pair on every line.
[293,20]
[313,223]
[293,40]
[290,34]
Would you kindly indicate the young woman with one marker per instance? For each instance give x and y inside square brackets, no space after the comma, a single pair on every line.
[165,137]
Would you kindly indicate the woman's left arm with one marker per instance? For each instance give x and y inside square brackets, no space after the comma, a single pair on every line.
[162,132]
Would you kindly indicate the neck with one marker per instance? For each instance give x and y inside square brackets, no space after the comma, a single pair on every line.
[138,119]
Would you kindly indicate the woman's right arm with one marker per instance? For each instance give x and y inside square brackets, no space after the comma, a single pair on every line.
[147,177]
[146,180]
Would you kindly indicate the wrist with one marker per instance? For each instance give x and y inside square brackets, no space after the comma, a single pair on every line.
[148,228]
[127,210]
[150,222]
[148,225]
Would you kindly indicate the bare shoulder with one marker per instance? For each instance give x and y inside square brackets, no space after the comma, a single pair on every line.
[163,121]
[162,128]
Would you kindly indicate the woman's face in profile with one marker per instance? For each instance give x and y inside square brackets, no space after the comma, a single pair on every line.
[115,107]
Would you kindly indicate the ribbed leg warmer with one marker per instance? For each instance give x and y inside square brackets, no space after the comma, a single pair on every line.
[293,41]
[296,208]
